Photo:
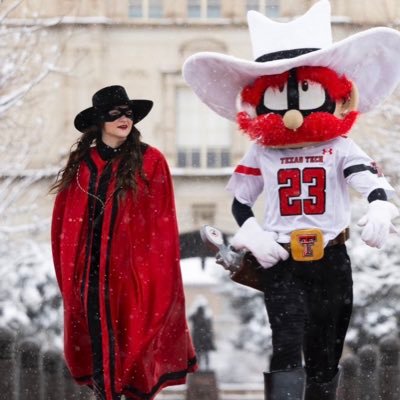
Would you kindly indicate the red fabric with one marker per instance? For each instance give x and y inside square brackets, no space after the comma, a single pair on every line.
[242,169]
[145,339]
[269,129]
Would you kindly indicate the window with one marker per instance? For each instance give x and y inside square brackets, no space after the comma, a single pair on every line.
[267,7]
[213,9]
[253,5]
[145,9]
[155,9]
[203,214]
[204,8]
[203,137]
[135,9]
[194,8]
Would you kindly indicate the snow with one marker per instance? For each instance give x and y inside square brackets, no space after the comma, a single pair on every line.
[194,275]
[30,302]
[228,330]
[49,172]
[201,171]
[236,366]
[47,22]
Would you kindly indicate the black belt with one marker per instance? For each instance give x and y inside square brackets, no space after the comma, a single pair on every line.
[339,239]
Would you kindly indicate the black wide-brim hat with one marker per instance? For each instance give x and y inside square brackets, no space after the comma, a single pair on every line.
[106,98]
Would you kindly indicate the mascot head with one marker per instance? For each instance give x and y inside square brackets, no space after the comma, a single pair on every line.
[302,88]
[302,106]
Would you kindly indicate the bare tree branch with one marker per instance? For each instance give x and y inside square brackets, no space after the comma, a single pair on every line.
[10,9]
[28,55]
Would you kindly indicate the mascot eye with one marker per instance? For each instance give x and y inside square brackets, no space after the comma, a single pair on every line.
[304,86]
[311,95]
[275,98]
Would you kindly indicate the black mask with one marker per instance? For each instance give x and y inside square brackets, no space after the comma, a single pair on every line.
[293,100]
[117,112]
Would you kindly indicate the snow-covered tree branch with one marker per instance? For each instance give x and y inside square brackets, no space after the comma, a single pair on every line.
[29,52]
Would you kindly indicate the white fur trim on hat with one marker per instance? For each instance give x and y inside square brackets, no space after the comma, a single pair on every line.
[369,58]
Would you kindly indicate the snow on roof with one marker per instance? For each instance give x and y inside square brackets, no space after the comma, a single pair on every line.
[51,21]
[194,275]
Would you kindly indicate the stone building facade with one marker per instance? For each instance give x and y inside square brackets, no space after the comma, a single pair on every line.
[141,44]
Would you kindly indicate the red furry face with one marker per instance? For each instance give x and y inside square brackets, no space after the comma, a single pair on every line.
[269,129]
[312,91]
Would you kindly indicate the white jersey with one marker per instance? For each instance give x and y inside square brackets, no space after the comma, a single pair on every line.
[306,187]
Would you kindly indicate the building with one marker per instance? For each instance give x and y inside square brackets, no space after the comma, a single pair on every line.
[142,44]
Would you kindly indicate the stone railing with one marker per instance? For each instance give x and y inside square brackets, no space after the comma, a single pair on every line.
[373,373]
[28,372]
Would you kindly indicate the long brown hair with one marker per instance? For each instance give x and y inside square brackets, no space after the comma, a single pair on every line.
[131,159]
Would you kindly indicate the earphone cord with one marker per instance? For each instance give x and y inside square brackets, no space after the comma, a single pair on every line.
[103,203]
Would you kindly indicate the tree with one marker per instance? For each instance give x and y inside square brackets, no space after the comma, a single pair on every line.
[377,272]
[29,300]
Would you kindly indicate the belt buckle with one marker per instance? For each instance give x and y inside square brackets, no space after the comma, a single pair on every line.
[307,244]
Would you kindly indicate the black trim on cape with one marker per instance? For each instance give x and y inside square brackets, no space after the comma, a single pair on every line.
[91,189]
[96,213]
[170,376]
[111,337]
[164,378]
[93,298]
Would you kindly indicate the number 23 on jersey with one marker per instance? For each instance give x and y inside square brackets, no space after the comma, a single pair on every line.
[293,182]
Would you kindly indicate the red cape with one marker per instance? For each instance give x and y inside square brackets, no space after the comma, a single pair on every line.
[125,328]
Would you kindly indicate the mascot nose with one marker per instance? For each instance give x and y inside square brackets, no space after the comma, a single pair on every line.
[293,119]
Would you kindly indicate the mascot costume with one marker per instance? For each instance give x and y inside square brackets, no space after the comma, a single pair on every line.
[297,102]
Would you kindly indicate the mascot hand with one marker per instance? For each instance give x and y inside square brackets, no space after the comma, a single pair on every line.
[377,223]
[261,243]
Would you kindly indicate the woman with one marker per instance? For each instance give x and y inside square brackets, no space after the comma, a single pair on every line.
[116,255]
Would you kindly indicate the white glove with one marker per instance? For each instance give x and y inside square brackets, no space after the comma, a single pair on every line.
[261,243]
[377,223]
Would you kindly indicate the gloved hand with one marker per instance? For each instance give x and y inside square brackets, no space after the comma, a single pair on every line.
[377,223]
[261,243]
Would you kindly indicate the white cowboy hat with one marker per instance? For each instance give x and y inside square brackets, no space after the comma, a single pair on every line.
[370,58]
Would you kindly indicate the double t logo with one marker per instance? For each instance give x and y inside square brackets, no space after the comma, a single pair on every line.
[308,242]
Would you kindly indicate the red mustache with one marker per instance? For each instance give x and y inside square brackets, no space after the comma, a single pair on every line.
[269,129]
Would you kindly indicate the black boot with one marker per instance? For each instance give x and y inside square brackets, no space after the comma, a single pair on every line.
[285,385]
[322,391]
